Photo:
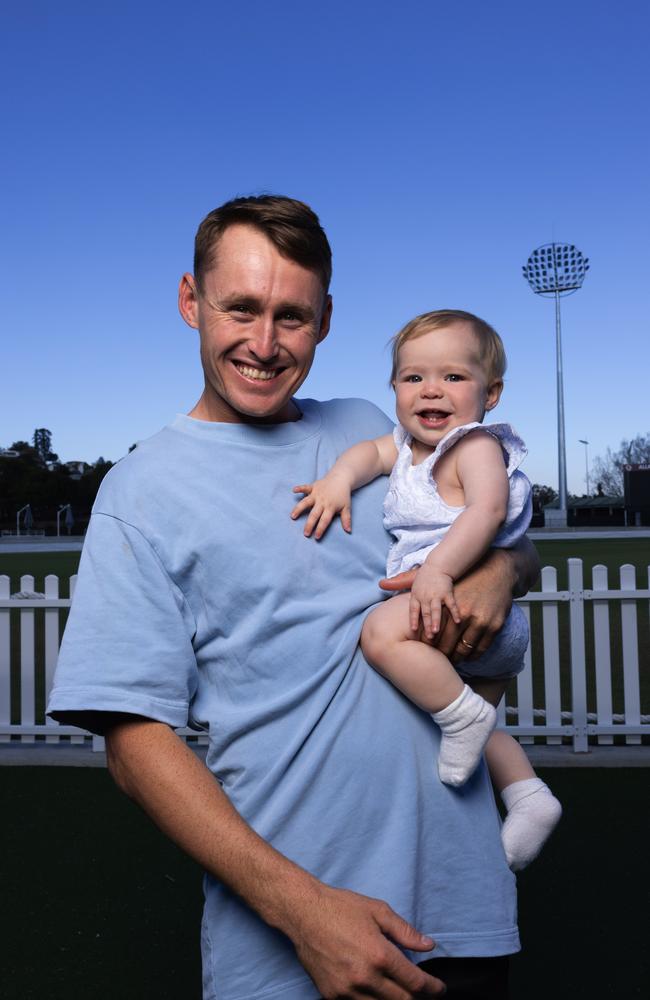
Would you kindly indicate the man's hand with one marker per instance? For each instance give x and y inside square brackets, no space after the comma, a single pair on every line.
[324,499]
[483,597]
[430,592]
[345,942]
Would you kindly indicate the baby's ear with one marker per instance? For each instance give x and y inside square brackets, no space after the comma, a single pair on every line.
[494,394]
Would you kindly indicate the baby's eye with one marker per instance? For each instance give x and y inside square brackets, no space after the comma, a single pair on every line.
[453,377]
[413,378]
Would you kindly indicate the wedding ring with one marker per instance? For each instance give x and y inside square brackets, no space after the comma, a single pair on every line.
[468,644]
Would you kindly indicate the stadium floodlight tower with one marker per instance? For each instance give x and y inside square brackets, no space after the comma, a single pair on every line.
[554,270]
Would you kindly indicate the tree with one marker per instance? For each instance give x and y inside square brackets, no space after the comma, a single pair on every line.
[42,441]
[541,496]
[24,449]
[607,469]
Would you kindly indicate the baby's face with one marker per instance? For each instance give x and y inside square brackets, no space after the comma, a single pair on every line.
[441,384]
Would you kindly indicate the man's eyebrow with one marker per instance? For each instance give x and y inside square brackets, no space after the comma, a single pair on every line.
[303,308]
[238,298]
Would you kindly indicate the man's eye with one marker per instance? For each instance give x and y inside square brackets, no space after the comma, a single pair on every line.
[290,317]
[240,307]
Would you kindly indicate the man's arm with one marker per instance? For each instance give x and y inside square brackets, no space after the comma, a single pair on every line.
[484,597]
[344,940]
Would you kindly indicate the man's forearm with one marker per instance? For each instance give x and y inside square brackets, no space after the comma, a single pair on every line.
[525,562]
[155,768]
[343,940]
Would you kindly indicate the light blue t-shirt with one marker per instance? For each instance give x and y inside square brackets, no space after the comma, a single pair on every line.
[200,602]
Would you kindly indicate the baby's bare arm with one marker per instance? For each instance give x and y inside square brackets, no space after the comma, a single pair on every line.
[481,472]
[479,469]
[331,495]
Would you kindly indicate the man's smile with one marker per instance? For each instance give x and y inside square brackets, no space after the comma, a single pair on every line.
[257,374]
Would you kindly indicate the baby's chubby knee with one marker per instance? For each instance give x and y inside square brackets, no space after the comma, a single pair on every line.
[372,636]
[382,631]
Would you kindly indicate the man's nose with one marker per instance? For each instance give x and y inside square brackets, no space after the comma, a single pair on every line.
[263,342]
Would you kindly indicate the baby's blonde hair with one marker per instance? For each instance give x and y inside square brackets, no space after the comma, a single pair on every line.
[491,350]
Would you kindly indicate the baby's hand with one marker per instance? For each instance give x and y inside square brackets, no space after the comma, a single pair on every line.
[324,498]
[431,589]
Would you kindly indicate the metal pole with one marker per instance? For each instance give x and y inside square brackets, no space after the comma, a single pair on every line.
[58,518]
[560,410]
[586,444]
[18,518]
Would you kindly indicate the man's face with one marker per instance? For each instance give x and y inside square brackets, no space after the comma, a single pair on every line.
[260,317]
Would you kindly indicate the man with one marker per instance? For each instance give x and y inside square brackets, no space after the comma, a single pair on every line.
[200,601]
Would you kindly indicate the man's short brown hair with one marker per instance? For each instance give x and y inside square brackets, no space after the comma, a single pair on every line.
[292,227]
[491,350]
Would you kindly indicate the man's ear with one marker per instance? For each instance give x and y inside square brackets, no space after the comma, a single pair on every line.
[326,319]
[188,301]
[493,394]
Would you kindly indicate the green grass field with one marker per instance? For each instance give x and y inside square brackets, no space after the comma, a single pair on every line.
[97,903]
[608,552]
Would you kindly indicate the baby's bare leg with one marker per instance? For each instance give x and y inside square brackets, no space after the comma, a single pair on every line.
[427,677]
[505,758]
[423,674]
[533,810]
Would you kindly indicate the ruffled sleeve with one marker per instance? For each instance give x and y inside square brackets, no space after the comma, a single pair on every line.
[400,436]
[514,449]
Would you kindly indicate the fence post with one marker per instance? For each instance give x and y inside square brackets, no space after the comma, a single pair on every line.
[629,636]
[602,655]
[551,654]
[5,661]
[27,664]
[578,664]
[525,715]
[51,647]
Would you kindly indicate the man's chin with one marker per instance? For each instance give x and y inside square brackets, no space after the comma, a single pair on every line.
[275,411]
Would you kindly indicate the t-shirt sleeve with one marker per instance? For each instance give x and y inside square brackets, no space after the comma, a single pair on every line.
[127,645]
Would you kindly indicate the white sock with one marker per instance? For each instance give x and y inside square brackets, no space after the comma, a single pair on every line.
[466,725]
[533,813]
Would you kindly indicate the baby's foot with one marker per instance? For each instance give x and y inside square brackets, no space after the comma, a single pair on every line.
[533,814]
[466,725]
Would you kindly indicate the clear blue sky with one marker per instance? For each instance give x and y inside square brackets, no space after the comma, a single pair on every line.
[439,143]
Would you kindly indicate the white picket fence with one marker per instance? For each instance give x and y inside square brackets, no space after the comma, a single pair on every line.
[590,662]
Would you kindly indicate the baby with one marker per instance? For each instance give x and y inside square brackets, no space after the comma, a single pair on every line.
[455,489]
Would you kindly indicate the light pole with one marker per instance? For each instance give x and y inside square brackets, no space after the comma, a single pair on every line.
[553,270]
[28,517]
[586,444]
[66,506]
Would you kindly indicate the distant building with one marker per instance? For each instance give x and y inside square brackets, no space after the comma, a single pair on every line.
[591,512]
[76,469]
[636,486]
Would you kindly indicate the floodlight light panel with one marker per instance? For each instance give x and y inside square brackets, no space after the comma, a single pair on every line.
[556,268]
